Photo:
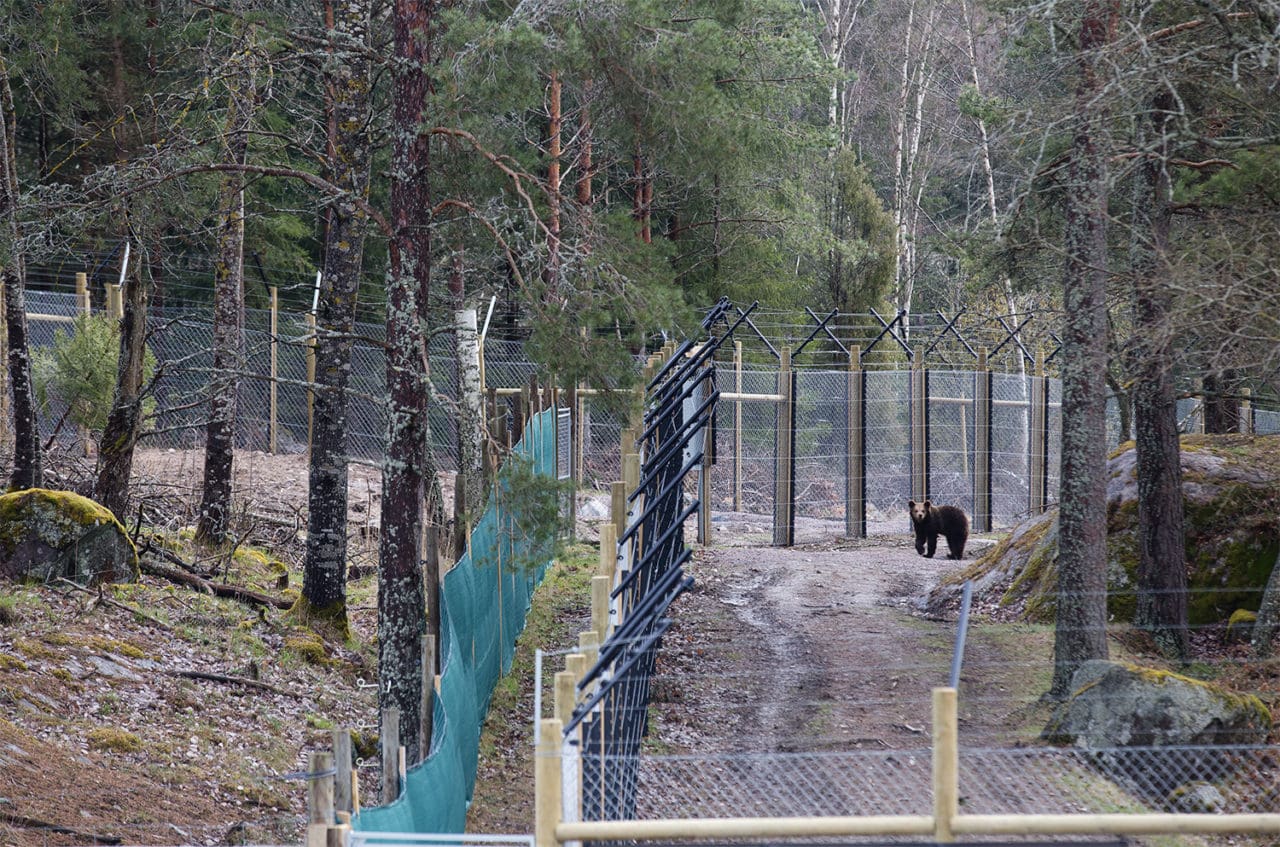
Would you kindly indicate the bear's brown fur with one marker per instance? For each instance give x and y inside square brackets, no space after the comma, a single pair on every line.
[930,521]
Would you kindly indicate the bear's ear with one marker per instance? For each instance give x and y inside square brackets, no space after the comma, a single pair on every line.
[928,504]
[911,504]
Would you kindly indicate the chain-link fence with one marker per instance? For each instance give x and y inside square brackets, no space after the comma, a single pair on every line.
[1035,780]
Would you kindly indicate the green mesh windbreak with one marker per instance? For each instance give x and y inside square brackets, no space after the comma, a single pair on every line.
[484,599]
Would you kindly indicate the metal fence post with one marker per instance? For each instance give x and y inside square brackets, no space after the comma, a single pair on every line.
[272,387]
[855,497]
[737,427]
[1038,437]
[311,377]
[919,427]
[982,390]
[784,492]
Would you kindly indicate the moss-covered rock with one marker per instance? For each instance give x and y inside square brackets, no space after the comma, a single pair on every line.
[1231,491]
[1122,712]
[48,534]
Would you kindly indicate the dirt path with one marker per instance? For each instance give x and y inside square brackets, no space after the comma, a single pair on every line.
[808,649]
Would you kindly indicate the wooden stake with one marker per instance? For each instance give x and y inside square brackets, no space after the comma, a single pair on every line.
[320,788]
[608,550]
[342,770]
[618,503]
[547,787]
[390,738]
[82,293]
[564,695]
[426,718]
[600,588]
[946,764]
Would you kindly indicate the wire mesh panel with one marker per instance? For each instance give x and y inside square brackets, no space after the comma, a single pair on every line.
[292,394]
[1266,421]
[785,785]
[951,438]
[1132,780]
[182,342]
[888,431]
[821,451]
[1190,415]
[1010,446]
[253,401]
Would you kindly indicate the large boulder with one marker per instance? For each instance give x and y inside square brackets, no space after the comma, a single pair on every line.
[1116,707]
[1231,492]
[47,534]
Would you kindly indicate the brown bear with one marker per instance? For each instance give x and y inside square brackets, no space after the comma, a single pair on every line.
[930,521]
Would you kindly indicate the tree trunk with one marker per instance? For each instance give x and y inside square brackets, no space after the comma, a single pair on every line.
[401,612]
[1080,633]
[1162,567]
[214,523]
[27,459]
[124,422]
[551,276]
[1221,403]
[1264,628]
[325,565]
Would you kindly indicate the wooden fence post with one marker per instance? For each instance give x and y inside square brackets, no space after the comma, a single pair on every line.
[578,402]
[1246,411]
[343,771]
[84,307]
[946,764]
[919,427]
[784,477]
[311,377]
[982,444]
[855,495]
[82,293]
[1038,437]
[737,427]
[272,407]
[547,788]
[321,816]
[426,718]
[115,301]
[618,506]
[390,738]
[564,695]
[600,587]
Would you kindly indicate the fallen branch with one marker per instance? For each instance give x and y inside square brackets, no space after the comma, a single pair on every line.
[233,680]
[99,597]
[35,823]
[234,592]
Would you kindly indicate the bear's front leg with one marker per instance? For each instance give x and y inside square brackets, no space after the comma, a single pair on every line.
[933,546]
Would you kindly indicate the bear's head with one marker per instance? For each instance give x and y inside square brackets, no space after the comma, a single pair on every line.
[919,511]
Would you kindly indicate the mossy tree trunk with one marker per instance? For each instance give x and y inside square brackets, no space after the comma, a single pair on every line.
[324,570]
[1080,631]
[1162,565]
[214,522]
[124,421]
[401,609]
[27,459]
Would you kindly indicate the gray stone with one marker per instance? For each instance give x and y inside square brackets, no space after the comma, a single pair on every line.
[46,535]
[1196,798]
[1121,713]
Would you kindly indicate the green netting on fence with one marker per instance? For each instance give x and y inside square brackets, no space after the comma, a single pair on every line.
[484,599]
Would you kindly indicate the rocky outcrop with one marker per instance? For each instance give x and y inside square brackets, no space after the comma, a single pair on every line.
[1124,713]
[1231,488]
[47,534]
